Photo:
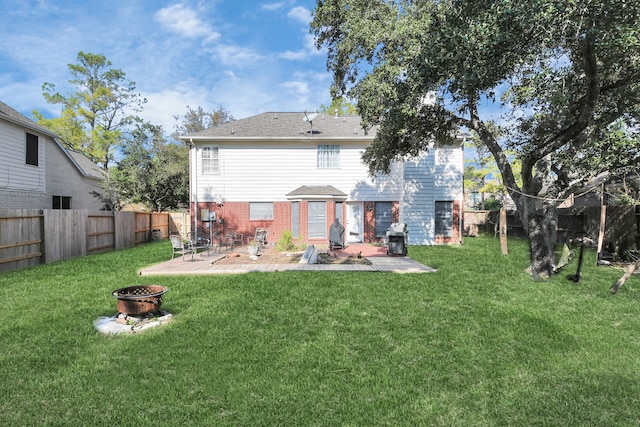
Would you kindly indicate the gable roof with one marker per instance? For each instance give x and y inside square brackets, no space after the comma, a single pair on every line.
[287,125]
[86,166]
[81,162]
[14,116]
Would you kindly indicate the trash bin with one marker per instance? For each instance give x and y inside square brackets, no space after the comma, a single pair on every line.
[156,235]
[397,239]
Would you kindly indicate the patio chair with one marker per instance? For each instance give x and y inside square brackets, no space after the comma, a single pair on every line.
[221,241]
[260,236]
[203,239]
[180,247]
[237,238]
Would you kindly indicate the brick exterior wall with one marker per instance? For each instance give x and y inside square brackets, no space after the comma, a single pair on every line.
[23,200]
[235,217]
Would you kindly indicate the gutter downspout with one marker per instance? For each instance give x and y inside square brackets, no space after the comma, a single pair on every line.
[194,190]
[461,216]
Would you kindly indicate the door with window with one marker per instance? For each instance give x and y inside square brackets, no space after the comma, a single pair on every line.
[354,225]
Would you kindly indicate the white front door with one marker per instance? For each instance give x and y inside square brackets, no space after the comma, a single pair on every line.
[354,224]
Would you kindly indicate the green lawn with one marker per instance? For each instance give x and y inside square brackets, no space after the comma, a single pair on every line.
[476,344]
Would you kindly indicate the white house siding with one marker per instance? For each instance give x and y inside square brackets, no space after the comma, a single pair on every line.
[32,187]
[436,176]
[263,171]
[449,168]
[15,174]
[64,179]
[418,202]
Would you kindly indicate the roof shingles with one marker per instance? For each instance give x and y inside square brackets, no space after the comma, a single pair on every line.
[288,125]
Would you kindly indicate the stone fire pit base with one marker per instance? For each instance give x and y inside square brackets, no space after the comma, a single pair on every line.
[127,324]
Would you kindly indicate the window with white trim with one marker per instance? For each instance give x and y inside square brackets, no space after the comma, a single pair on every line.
[339,215]
[328,156]
[444,219]
[260,211]
[210,160]
[295,219]
[317,220]
[384,217]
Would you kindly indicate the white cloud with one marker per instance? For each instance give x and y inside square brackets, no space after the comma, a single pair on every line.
[291,55]
[162,106]
[236,56]
[308,51]
[273,6]
[184,20]
[300,14]
[298,87]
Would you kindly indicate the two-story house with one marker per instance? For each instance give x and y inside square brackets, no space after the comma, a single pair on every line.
[299,172]
[37,172]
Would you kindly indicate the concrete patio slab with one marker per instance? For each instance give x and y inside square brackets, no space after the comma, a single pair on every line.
[205,263]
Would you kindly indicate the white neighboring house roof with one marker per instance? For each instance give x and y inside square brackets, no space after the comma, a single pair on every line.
[82,163]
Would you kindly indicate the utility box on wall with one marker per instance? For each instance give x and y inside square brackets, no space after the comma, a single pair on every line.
[206,215]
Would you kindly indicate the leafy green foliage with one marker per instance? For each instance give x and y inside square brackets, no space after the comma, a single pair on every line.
[285,243]
[153,172]
[339,106]
[196,120]
[96,116]
[561,74]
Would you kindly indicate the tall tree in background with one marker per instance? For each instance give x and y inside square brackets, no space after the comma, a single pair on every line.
[561,73]
[339,106]
[196,120]
[153,172]
[98,112]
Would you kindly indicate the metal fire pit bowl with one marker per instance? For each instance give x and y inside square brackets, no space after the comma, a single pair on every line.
[137,300]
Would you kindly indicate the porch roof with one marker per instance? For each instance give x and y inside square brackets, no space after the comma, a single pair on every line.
[316,192]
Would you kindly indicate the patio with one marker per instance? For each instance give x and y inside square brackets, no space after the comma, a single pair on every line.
[238,262]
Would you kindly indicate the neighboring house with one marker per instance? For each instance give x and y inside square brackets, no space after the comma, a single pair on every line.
[282,171]
[37,172]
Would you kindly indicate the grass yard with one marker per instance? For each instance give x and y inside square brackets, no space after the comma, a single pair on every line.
[476,344]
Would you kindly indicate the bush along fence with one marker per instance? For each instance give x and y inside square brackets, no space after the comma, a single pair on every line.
[29,237]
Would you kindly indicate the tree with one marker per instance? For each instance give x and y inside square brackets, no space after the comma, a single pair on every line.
[339,106]
[100,110]
[197,120]
[152,171]
[562,73]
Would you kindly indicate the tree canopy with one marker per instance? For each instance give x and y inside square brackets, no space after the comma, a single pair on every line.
[99,111]
[195,120]
[550,80]
[153,171]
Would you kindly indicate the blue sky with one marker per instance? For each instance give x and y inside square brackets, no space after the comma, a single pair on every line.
[247,56]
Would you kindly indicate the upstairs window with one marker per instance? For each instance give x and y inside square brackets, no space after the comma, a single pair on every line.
[210,160]
[328,156]
[32,150]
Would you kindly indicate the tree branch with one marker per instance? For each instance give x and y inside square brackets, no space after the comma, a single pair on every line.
[499,155]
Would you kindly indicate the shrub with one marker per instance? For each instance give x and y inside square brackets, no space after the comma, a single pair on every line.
[285,243]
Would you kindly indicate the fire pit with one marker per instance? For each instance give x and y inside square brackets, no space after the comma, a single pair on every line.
[137,300]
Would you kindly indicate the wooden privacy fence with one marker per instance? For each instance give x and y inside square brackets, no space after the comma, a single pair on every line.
[29,237]
[621,228]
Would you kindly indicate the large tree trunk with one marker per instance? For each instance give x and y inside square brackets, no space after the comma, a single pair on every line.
[542,227]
